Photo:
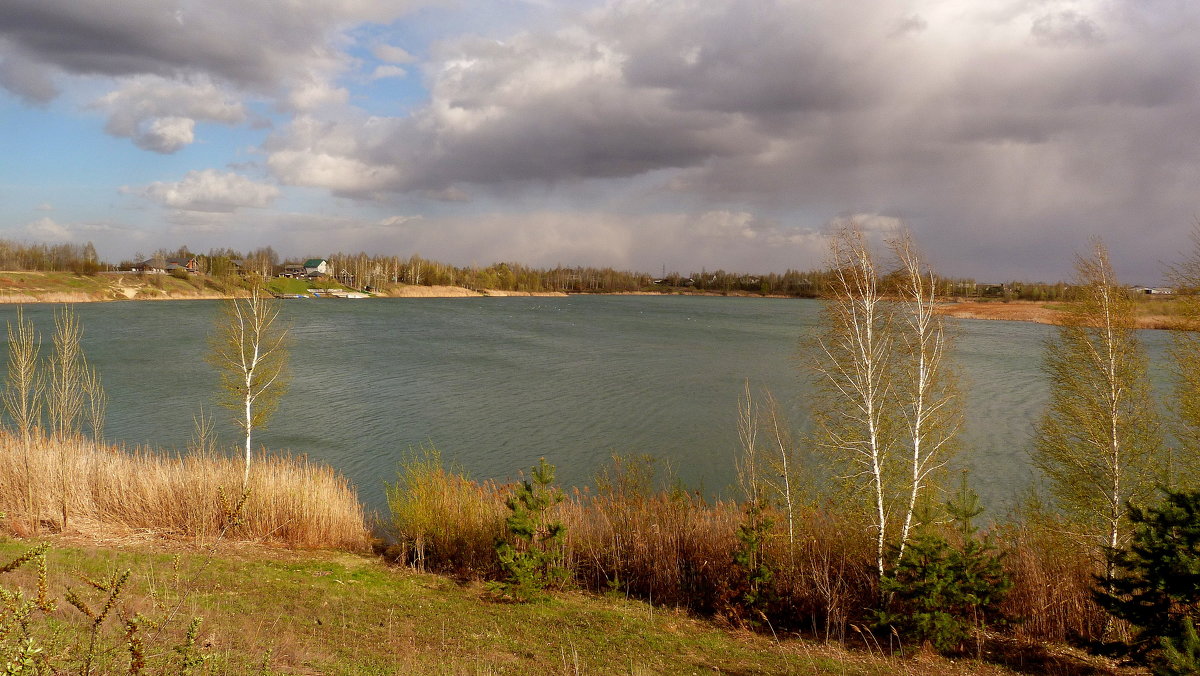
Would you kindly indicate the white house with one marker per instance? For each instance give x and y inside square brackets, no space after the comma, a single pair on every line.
[316,267]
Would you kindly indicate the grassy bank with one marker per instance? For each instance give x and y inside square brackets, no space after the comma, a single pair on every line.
[652,589]
[1150,312]
[272,612]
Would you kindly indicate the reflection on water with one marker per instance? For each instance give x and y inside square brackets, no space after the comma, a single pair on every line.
[497,382]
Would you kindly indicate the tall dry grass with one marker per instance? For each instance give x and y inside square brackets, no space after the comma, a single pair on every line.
[669,547]
[110,491]
[1054,579]
[674,548]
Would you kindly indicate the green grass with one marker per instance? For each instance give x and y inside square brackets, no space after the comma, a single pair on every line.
[287,285]
[334,613]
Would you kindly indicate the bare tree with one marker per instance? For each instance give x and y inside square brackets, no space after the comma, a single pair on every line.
[854,407]
[204,437]
[1098,442]
[747,463]
[769,473]
[66,385]
[250,351]
[927,397]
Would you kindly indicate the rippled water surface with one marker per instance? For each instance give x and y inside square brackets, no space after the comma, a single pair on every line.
[497,382]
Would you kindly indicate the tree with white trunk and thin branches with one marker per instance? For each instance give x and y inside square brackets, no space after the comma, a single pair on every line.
[249,348]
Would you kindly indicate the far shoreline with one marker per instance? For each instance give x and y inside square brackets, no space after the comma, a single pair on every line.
[20,287]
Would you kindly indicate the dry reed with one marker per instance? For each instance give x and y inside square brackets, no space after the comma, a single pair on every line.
[668,547]
[674,548]
[1053,583]
[110,491]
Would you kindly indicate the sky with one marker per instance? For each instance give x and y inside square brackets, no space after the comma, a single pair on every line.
[636,134]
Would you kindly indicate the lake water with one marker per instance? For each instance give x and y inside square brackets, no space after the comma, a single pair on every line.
[496,383]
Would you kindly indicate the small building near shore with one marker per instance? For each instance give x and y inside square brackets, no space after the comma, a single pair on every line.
[161,266]
[316,267]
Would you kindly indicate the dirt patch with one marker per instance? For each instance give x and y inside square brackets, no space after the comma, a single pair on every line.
[498,292]
[1039,313]
[415,291]
[1013,311]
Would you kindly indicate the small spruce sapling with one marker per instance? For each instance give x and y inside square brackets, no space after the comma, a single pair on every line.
[1156,586]
[531,551]
[938,593]
[750,558]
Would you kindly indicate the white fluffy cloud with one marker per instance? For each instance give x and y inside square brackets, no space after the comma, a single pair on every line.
[210,191]
[393,54]
[161,115]
[47,229]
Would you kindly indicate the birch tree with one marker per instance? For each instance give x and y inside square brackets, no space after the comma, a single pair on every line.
[249,348]
[929,407]
[1185,370]
[769,472]
[854,408]
[1098,442]
[887,409]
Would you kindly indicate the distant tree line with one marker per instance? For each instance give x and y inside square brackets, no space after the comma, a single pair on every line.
[363,271]
[78,258]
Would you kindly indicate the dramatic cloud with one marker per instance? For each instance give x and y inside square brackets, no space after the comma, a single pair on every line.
[256,45]
[30,80]
[1004,133]
[211,191]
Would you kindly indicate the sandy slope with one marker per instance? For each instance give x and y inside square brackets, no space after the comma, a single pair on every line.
[1032,311]
[411,291]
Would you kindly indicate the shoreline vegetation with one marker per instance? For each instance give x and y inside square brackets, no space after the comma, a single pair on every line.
[648,565]
[18,287]
[841,551]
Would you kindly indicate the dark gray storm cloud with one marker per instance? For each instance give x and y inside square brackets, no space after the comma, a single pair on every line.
[251,44]
[1005,130]
[217,49]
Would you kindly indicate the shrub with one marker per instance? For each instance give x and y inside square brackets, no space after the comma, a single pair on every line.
[443,521]
[750,558]
[1156,586]
[937,593]
[531,552]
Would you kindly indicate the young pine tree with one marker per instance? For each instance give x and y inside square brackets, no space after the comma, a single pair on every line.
[531,551]
[1156,584]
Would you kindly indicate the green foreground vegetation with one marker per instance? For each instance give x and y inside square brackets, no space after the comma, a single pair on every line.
[849,538]
[275,611]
